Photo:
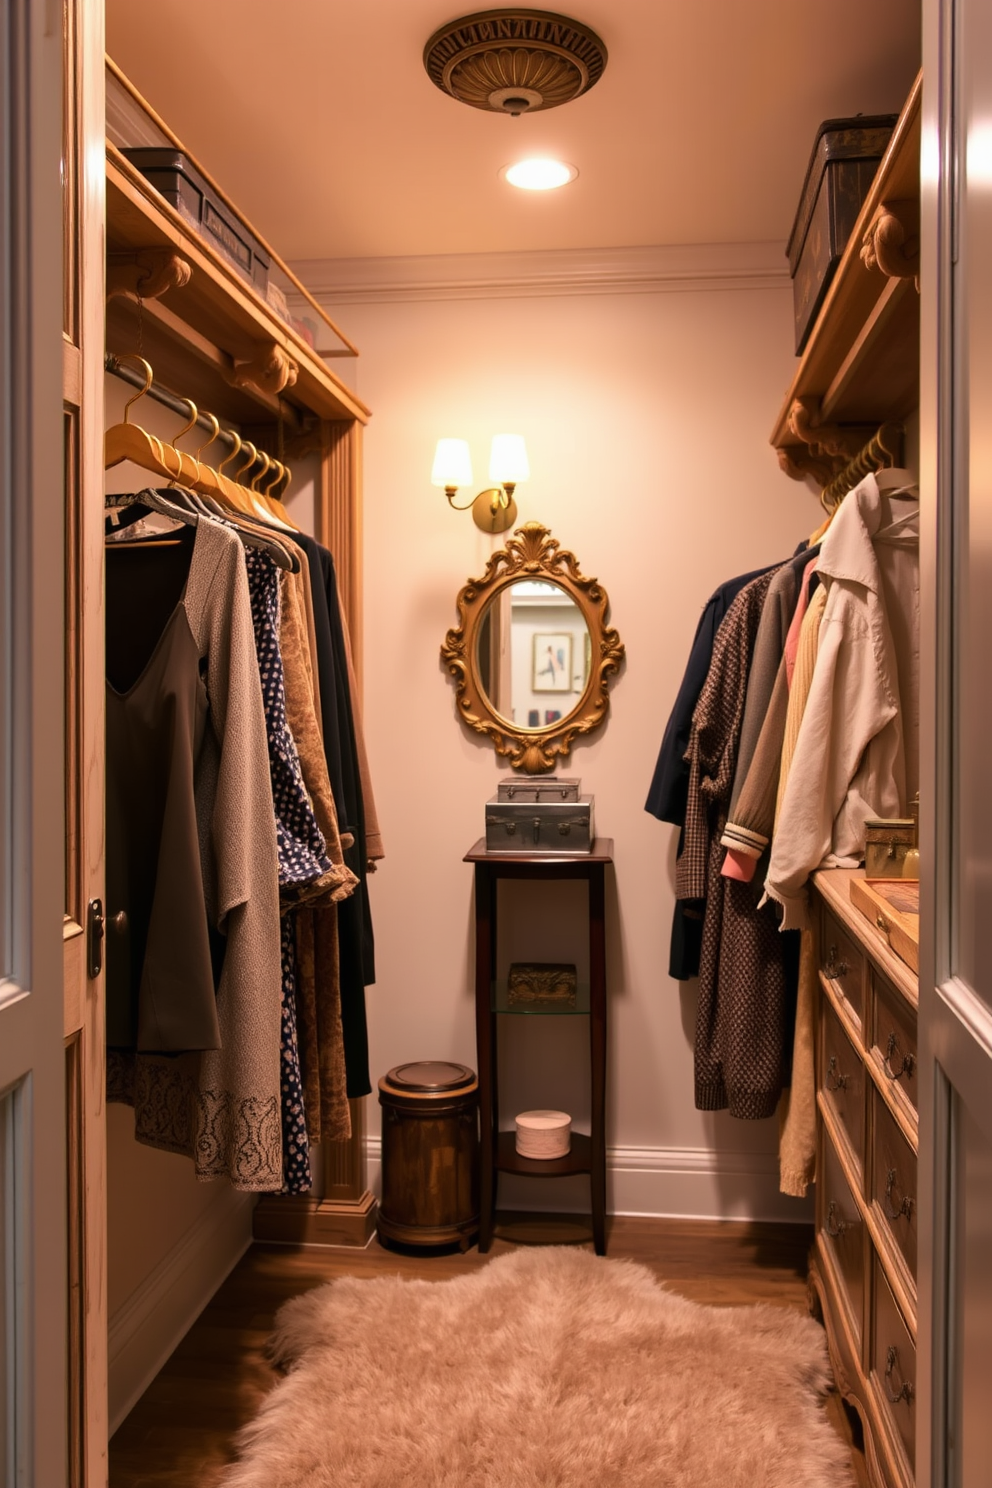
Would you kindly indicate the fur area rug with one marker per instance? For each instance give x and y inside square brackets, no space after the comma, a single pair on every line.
[549,1368]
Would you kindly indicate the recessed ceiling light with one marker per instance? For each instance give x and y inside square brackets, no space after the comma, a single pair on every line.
[539,175]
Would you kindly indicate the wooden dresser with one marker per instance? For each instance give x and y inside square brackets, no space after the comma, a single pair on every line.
[863,1266]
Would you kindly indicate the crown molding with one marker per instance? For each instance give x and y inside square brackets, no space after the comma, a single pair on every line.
[523,275]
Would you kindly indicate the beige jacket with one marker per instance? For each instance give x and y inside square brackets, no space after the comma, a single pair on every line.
[855,753]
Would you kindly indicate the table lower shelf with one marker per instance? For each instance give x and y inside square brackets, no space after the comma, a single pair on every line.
[577,1160]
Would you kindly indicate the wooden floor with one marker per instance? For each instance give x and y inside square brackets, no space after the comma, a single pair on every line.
[181,1430]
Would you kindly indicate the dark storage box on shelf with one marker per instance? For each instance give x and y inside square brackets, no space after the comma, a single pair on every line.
[845,157]
[177,179]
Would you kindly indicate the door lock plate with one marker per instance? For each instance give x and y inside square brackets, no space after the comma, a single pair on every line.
[95,932]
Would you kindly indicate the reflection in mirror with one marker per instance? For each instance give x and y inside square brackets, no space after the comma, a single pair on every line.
[533,654]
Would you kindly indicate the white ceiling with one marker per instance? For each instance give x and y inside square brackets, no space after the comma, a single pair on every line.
[317,118]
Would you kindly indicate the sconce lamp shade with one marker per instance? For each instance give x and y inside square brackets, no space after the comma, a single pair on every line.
[508,461]
[452,463]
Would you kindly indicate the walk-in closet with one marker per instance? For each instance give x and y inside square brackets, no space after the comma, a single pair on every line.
[494,587]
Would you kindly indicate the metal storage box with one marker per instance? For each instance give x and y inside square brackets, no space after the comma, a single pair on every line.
[559,827]
[841,169]
[177,179]
[548,788]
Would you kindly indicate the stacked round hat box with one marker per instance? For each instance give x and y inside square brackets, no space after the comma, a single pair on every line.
[544,1135]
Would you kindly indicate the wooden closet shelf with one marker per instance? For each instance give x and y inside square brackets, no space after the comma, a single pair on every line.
[579,1158]
[222,310]
[861,363]
[195,367]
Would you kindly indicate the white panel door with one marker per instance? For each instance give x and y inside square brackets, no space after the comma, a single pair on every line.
[956,965]
[32,1121]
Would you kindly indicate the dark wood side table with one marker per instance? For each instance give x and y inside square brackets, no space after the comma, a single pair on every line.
[499,1154]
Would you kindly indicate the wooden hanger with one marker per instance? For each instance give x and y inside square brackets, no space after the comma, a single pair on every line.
[128,441]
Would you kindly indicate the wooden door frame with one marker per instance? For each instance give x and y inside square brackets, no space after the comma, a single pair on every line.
[84,700]
[32,1249]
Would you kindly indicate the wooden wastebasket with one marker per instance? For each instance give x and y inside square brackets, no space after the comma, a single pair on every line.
[430,1155]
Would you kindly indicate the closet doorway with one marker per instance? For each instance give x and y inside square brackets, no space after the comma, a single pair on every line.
[34,872]
[956,970]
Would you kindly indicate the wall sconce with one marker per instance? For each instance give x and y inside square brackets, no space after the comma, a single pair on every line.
[494,509]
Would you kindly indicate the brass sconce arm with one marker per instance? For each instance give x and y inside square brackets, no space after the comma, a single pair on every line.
[493,510]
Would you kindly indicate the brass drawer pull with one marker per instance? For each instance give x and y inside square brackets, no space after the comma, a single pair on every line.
[905,1208]
[834,1225]
[908,1062]
[835,969]
[905,1391]
[840,1082]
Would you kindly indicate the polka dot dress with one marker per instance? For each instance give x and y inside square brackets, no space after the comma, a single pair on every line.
[302,851]
[302,854]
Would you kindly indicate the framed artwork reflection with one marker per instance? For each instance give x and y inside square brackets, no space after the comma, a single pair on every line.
[552,666]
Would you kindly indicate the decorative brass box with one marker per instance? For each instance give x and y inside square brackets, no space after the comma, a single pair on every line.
[887,841]
[532,983]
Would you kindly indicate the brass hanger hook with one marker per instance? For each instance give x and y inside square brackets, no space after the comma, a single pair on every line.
[280,470]
[215,434]
[266,467]
[194,415]
[130,356]
[234,452]
[252,453]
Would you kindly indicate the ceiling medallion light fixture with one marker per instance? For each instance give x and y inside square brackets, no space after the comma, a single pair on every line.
[514,61]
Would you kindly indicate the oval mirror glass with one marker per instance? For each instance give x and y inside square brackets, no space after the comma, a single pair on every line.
[533,654]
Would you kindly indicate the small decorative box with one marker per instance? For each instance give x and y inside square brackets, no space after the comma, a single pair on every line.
[541,983]
[887,841]
[544,1134]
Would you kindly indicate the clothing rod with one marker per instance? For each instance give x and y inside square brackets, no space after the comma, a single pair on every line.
[168,400]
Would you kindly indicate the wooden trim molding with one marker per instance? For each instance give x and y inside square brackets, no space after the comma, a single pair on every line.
[581,271]
[338,519]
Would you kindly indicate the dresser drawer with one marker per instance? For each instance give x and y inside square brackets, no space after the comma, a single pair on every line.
[893,1038]
[842,963]
[893,1181]
[840,1232]
[893,1364]
[842,1080]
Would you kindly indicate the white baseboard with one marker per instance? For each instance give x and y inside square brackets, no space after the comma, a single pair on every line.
[144,1332]
[667,1182]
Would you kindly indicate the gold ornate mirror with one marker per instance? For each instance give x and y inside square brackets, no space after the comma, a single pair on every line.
[533,653]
